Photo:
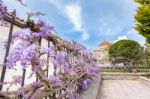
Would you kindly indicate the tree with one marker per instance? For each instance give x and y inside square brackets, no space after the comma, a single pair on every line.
[126,51]
[142,18]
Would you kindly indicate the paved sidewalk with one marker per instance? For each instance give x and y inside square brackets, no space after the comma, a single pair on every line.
[123,89]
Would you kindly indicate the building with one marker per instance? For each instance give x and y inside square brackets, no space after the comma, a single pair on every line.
[101,54]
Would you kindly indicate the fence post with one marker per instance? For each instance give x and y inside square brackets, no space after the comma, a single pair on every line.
[23,77]
[7,49]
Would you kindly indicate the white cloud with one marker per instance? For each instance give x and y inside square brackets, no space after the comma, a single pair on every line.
[73,13]
[132,34]
[124,37]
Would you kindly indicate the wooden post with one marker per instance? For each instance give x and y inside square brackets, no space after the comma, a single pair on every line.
[23,80]
[23,77]
[7,49]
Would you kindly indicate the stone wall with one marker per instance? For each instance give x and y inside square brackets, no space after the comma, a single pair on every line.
[119,76]
[144,80]
[92,91]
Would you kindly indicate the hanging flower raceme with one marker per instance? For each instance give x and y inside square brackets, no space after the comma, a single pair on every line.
[23,91]
[92,71]
[14,57]
[26,35]
[69,76]
[70,79]
[72,95]
[85,84]
[56,81]
[45,29]
[17,79]
[3,9]
[60,59]
[78,47]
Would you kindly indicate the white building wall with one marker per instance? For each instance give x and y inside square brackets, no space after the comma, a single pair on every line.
[4,31]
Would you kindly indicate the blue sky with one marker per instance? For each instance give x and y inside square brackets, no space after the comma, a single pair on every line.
[86,21]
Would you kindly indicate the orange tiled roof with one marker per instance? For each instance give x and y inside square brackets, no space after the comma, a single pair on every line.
[104,43]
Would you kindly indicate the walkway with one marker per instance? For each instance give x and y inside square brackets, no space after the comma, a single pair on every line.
[123,89]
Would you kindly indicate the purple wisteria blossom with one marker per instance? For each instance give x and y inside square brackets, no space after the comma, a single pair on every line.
[3,9]
[60,59]
[45,29]
[72,95]
[92,71]
[18,79]
[85,84]
[22,35]
[80,73]
[35,84]
[30,53]
[56,81]
[22,91]
[49,51]
[14,57]
[28,35]
[78,47]
[38,67]
[43,24]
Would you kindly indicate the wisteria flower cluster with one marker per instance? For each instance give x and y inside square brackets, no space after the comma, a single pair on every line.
[3,9]
[74,70]
[71,77]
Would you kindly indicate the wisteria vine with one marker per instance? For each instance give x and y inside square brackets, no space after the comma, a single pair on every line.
[3,11]
[74,70]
